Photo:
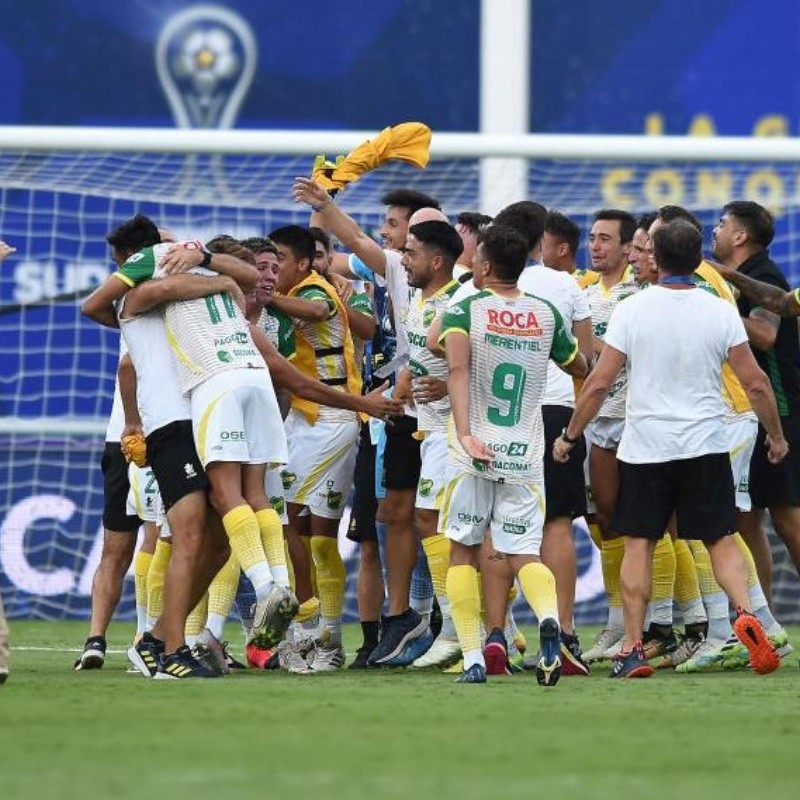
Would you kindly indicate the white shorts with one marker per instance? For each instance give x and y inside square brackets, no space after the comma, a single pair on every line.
[433,473]
[514,512]
[235,417]
[605,432]
[273,488]
[144,499]
[322,460]
[741,439]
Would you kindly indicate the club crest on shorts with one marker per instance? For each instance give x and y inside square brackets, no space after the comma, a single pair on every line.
[335,500]
[287,478]
[425,487]
[278,505]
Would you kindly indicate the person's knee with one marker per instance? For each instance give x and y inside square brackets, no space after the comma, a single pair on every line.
[118,549]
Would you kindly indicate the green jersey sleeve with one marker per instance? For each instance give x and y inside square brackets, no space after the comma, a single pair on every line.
[315,293]
[564,348]
[286,342]
[456,319]
[139,267]
[361,302]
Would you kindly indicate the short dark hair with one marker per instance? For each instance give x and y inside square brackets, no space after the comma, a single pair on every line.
[297,239]
[260,244]
[232,247]
[755,219]
[527,217]
[506,248]
[441,236]
[671,213]
[410,200]
[646,220]
[134,234]
[473,220]
[564,229]
[678,247]
[319,235]
[627,222]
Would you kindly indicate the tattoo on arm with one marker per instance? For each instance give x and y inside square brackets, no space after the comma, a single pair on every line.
[772,319]
[768,297]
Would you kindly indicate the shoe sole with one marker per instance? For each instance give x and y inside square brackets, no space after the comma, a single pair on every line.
[571,667]
[412,634]
[91,659]
[496,658]
[441,661]
[763,656]
[643,671]
[138,662]
[548,670]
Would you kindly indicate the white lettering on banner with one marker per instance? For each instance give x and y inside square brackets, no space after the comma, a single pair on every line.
[35,280]
[12,545]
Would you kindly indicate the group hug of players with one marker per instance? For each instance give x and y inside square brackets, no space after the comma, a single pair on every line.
[243,399]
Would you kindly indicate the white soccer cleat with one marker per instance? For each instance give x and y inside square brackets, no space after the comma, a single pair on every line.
[442,653]
[326,657]
[707,658]
[272,616]
[210,653]
[605,640]
[291,660]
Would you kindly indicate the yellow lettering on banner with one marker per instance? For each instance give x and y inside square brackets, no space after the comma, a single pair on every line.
[714,187]
[766,187]
[702,125]
[771,125]
[654,125]
[663,187]
[612,189]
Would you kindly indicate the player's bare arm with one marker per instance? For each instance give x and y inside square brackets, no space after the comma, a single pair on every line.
[589,400]
[770,297]
[286,375]
[330,217]
[99,305]
[759,391]
[362,325]
[126,374]
[300,308]
[153,293]
[762,328]
[582,331]
[187,255]
[6,250]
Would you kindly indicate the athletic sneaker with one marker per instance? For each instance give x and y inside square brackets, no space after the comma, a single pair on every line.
[326,657]
[764,657]
[548,670]
[290,658]
[495,653]
[272,616]
[412,650]
[182,664]
[258,657]
[605,640]
[397,633]
[780,641]
[3,675]
[632,664]
[361,661]
[658,641]
[232,662]
[208,650]
[683,652]
[572,662]
[475,674]
[93,655]
[146,654]
[734,655]
[706,658]
[444,652]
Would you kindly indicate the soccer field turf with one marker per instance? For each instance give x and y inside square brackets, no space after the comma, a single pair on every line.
[385,734]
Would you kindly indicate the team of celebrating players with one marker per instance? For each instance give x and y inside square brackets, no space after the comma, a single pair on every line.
[240,397]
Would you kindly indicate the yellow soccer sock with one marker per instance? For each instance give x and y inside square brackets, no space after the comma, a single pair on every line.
[289,565]
[714,599]
[269,523]
[465,606]
[141,566]
[331,580]
[306,540]
[539,587]
[308,610]
[155,581]
[611,554]
[221,594]
[687,586]
[196,621]
[437,551]
[244,535]
[662,582]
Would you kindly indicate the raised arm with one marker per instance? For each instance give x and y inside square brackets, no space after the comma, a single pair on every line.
[300,307]
[183,257]
[99,305]
[329,216]
[772,298]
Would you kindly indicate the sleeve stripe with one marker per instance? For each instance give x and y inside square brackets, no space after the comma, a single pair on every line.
[448,331]
[124,278]
[571,357]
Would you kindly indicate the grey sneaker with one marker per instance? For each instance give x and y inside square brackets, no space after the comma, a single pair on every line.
[209,652]
[271,616]
[326,657]
[291,659]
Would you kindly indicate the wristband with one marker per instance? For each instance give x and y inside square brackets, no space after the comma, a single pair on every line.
[207,256]
[567,438]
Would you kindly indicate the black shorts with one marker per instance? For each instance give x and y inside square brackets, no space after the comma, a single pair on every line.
[115,491]
[365,505]
[401,458]
[176,465]
[564,484]
[700,490]
[776,484]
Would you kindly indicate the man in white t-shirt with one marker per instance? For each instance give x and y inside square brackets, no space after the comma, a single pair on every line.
[673,452]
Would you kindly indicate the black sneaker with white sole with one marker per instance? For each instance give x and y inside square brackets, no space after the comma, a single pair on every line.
[182,664]
[93,655]
[146,654]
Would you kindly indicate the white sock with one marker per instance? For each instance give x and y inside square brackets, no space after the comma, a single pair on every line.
[472,657]
[261,577]
[660,612]
[615,619]
[280,575]
[693,611]
[216,623]
[334,625]
[718,610]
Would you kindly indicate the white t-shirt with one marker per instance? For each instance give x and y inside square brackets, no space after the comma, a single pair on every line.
[116,422]
[675,342]
[563,292]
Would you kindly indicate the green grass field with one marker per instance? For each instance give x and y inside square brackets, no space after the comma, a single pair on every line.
[385,734]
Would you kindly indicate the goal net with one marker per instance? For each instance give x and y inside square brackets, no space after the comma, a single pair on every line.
[63,190]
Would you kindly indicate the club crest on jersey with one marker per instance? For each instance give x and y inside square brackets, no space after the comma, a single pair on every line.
[428,316]
[509,321]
